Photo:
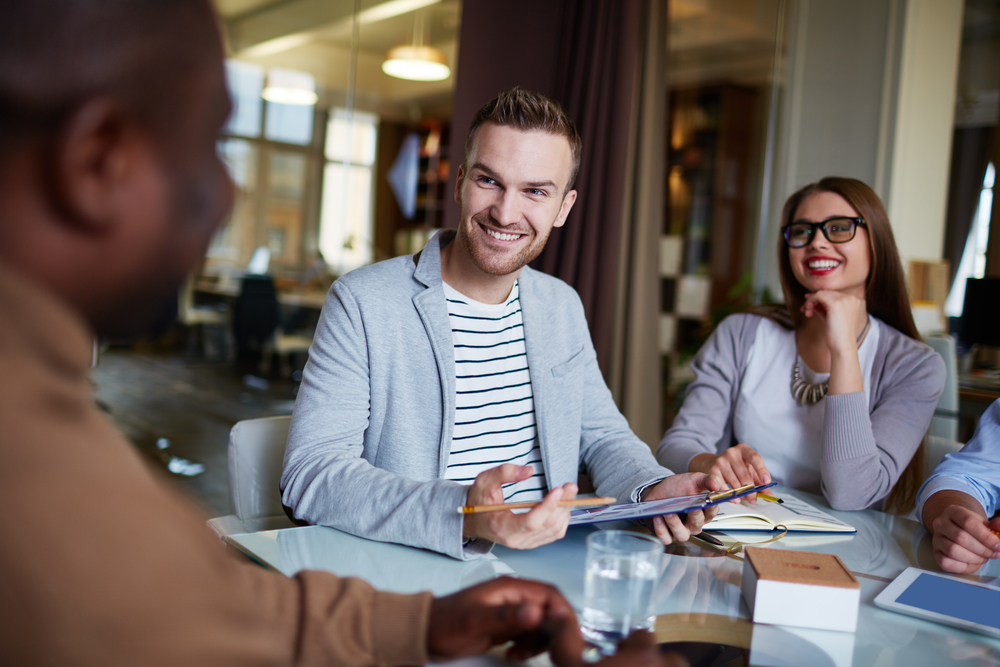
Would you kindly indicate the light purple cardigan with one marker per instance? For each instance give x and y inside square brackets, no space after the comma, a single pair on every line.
[866,446]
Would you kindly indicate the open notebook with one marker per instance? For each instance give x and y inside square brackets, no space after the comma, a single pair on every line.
[794,514]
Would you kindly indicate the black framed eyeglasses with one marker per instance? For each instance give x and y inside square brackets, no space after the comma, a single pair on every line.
[836,230]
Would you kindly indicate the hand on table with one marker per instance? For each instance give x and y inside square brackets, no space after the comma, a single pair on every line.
[545,523]
[737,466]
[532,615]
[535,616]
[962,540]
[669,528]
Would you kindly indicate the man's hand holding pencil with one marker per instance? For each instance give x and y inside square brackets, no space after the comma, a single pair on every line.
[544,523]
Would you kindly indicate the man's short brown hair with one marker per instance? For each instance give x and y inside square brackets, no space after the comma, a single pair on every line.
[527,111]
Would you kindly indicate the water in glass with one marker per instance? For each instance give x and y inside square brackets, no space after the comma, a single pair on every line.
[618,589]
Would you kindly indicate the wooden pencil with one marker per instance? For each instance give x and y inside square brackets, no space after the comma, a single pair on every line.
[576,502]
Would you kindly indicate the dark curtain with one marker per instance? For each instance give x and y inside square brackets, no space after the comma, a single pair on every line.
[600,48]
[971,149]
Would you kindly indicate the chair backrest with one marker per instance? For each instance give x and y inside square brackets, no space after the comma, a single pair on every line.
[256,452]
[255,312]
[934,450]
[944,424]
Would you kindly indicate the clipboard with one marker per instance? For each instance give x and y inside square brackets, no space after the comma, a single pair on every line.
[651,508]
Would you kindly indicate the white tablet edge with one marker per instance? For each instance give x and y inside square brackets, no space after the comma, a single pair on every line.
[887,600]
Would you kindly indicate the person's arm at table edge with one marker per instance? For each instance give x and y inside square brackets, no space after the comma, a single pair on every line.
[864,453]
[348,619]
[962,540]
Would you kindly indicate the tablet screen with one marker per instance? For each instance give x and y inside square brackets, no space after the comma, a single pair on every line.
[954,598]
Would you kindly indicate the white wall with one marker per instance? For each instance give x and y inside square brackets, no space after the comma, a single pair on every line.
[921,156]
[868,91]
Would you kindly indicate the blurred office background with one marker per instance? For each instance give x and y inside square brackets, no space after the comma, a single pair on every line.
[699,118]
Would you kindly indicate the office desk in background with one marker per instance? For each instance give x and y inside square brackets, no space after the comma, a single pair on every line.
[699,589]
[310,299]
[975,393]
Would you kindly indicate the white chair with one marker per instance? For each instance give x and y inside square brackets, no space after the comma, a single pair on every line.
[284,345]
[256,451]
[944,424]
[934,450]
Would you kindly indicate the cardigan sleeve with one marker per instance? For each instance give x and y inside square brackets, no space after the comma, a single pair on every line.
[864,453]
[704,423]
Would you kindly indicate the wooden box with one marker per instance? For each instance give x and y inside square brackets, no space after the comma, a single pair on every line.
[800,589]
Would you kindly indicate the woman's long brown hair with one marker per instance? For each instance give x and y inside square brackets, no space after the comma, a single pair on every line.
[886,296]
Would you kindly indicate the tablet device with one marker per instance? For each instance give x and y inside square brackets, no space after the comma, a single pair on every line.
[944,599]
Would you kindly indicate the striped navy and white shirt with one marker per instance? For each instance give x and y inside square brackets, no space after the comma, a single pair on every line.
[494,406]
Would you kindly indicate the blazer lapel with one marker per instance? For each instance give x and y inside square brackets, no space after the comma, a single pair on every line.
[532,315]
[433,311]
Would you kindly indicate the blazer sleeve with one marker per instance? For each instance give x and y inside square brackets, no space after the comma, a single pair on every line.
[705,418]
[327,481]
[618,462]
[865,453]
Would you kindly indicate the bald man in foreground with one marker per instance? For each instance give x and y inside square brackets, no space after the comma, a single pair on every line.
[110,189]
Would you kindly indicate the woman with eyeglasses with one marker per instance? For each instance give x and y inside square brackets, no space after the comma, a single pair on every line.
[833,391]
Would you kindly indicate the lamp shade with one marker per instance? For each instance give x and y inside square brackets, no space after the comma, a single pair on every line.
[416,63]
[286,86]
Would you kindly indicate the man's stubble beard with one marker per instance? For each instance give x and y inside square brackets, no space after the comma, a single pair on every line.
[488,262]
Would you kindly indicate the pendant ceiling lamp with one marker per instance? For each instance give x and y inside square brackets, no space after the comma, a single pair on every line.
[417,62]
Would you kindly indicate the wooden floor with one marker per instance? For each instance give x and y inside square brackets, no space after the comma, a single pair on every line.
[190,402]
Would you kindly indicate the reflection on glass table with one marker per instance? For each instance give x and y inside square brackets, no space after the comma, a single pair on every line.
[389,567]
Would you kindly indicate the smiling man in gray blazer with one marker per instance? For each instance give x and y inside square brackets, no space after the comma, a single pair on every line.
[461,376]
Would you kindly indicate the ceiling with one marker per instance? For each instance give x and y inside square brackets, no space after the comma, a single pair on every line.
[713,41]
[978,100]
[316,36]
[710,41]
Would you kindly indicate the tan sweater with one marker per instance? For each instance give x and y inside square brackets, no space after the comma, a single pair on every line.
[102,564]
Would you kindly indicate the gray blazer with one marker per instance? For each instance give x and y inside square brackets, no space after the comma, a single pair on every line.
[866,446]
[373,421]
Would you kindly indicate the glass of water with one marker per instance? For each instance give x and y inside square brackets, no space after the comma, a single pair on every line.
[622,570]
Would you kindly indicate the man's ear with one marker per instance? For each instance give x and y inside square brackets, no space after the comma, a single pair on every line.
[567,206]
[89,162]
[459,178]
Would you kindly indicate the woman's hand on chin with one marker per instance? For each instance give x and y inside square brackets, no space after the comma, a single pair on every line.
[845,316]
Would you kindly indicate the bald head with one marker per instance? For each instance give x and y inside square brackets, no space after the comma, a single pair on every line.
[54,54]
[110,185]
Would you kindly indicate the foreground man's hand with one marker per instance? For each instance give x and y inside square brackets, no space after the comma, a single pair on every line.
[532,615]
[545,523]
[535,616]
[669,528]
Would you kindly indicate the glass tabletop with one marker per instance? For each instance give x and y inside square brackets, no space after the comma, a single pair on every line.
[699,596]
